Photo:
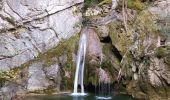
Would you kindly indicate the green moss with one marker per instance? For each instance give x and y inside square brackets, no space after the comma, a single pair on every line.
[146,23]
[49,90]
[9,75]
[163,51]
[121,40]
[93,80]
[90,76]
[89,3]
[105,2]
[65,47]
[167,60]
[135,4]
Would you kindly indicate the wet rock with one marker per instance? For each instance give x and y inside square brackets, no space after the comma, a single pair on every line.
[94,49]
[104,76]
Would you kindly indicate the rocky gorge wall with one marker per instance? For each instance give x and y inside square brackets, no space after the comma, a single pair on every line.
[135,46]
[32,27]
[39,41]
[28,29]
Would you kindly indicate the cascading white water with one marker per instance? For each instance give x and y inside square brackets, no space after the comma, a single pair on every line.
[79,75]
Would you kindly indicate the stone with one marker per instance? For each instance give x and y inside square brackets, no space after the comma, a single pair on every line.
[93,11]
[31,27]
[94,49]
[52,71]
[12,90]
[103,76]
[37,78]
[133,68]
[139,96]
[63,59]
[135,76]
[114,4]
[161,8]
[103,31]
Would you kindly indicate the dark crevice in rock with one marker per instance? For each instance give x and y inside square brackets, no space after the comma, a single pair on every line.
[113,48]
[116,52]
[106,39]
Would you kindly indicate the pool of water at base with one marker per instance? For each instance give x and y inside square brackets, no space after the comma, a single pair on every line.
[70,97]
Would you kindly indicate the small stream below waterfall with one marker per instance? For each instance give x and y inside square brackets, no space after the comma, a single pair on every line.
[69,97]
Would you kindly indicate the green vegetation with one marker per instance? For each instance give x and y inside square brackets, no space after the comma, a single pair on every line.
[88,3]
[8,75]
[163,51]
[67,47]
[105,2]
[135,4]
[167,60]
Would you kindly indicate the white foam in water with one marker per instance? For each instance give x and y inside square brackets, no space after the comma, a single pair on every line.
[103,98]
[79,94]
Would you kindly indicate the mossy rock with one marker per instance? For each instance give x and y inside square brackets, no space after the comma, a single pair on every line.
[120,39]
[11,74]
[105,2]
[135,4]
[146,23]
[89,3]
[163,51]
[167,60]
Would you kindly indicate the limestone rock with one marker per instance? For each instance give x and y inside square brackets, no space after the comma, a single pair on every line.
[94,49]
[52,71]
[30,27]
[12,91]
[161,8]
[37,78]
[103,76]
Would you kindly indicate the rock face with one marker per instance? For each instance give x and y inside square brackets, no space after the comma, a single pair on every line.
[37,80]
[32,27]
[144,48]
[29,29]
[94,49]
[137,47]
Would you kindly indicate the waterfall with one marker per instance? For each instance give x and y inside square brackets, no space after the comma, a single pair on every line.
[79,75]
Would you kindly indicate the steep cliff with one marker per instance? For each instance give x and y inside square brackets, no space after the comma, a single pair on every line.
[28,30]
